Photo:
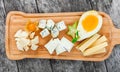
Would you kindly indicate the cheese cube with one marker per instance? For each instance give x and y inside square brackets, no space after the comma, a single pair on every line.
[50,24]
[42,24]
[61,25]
[60,48]
[34,47]
[44,33]
[54,32]
[67,44]
[35,40]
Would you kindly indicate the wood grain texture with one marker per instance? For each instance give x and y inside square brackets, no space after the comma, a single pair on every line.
[109,6]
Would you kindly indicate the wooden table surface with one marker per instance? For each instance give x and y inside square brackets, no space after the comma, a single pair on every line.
[112,7]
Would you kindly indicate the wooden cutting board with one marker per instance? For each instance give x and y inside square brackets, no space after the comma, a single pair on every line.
[16,20]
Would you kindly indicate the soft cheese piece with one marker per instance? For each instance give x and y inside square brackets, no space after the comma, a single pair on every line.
[54,32]
[26,48]
[44,33]
[21,34]
[60,48]
[42,24]
[61,25]
[35,40]
[34,47]
[92,50]
[51,45]
[89,42]
[68,45]
[18,33]
[50,24]
[32,35]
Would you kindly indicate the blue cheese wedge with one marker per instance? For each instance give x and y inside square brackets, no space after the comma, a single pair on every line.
[50,24]
[44,33]
[54,32]
[51,45]
[60,48]
[61,26]
[42,24]
[68,45]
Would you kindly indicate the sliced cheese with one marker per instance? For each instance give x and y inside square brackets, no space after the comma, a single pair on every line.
[100,40]
[60,48]
[52,45]
[68,45]
[94,49]
[89,42]
[103,50]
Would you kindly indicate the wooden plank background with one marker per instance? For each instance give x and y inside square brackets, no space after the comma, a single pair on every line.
[112,7]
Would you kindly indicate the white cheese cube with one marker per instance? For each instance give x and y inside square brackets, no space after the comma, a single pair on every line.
[50,24]
[67,44]
[34,47]
[51,45]
[60,48]
[42,24]
[61,25]
[54,32]
[32,35]
[44,33]
[35,40]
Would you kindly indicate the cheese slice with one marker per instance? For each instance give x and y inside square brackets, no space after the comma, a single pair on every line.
[68,45]
[89,42]
[100,40]
[103,50]
[94,49]
[60,48]
[51,45]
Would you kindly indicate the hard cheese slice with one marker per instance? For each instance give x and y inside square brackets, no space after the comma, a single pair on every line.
[92,50]
[67,44]
[89,42]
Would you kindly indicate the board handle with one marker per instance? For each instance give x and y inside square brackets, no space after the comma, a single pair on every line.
[115,36]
